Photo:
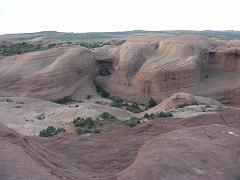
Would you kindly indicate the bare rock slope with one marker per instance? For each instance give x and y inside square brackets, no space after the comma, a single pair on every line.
[155,66]
[50,74]
[192,148]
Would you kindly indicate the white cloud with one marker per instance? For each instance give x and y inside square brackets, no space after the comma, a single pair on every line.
[117,15]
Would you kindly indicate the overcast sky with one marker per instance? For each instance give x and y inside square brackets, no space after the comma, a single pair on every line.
[18,16]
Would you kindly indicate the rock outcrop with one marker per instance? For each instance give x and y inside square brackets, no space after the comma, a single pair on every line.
[50,74]
[157,67]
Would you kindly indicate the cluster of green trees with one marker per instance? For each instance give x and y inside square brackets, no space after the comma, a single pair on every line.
[50,131]
[91,45]
[157,115]
[86,125]
[22,47]
[18,48]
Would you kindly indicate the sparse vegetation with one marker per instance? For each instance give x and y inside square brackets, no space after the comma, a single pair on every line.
[157,115]
[102,92]
[20,48]
[182,105]
[104,71]
[118,102]
[64,100]
[51,131]
[132,107]
[91,45]
[133,122]
[86,125]
[146,116]
[152,103]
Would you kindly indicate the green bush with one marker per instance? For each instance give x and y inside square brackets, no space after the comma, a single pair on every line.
[91,45]
[164,114]
[133,109]
[104,72]
[80,130]
[146,115]
[152,116]
[132,122]
[86,125]
[157,115]
[64,100]
[109,117]
[81,122]
[50,131]
[182,105]
[102,92]
[152,103]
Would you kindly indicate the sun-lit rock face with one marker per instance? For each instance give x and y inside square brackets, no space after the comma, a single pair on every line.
[49,74]
[155,66]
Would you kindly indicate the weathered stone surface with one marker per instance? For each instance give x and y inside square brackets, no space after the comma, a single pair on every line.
[157,67]
[50,74]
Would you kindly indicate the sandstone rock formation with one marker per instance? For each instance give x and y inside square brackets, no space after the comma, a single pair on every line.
[207,152]
[155,66]
[50,74]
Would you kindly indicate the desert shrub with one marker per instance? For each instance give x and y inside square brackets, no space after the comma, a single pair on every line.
[102,92]
[116,104]
[157,115]
[133,122]
[88,97]
[152,103]
[133,109]
[86,125]
[109,117]
[164,114]
[91,45]
[64,100]
[182,105]
[104,71]
[152,116]
[80,130]
[51,45]
[84,122]
[195,103]
[146,115]
[50,131]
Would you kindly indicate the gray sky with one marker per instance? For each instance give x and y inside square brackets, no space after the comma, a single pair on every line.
[117,15]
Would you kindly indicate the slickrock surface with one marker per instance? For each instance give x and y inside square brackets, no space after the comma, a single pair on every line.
[50,74]
[203,147]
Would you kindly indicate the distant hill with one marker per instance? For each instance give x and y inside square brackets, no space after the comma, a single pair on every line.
[103,36]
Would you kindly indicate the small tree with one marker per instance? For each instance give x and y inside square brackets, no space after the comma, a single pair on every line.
[152,103]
